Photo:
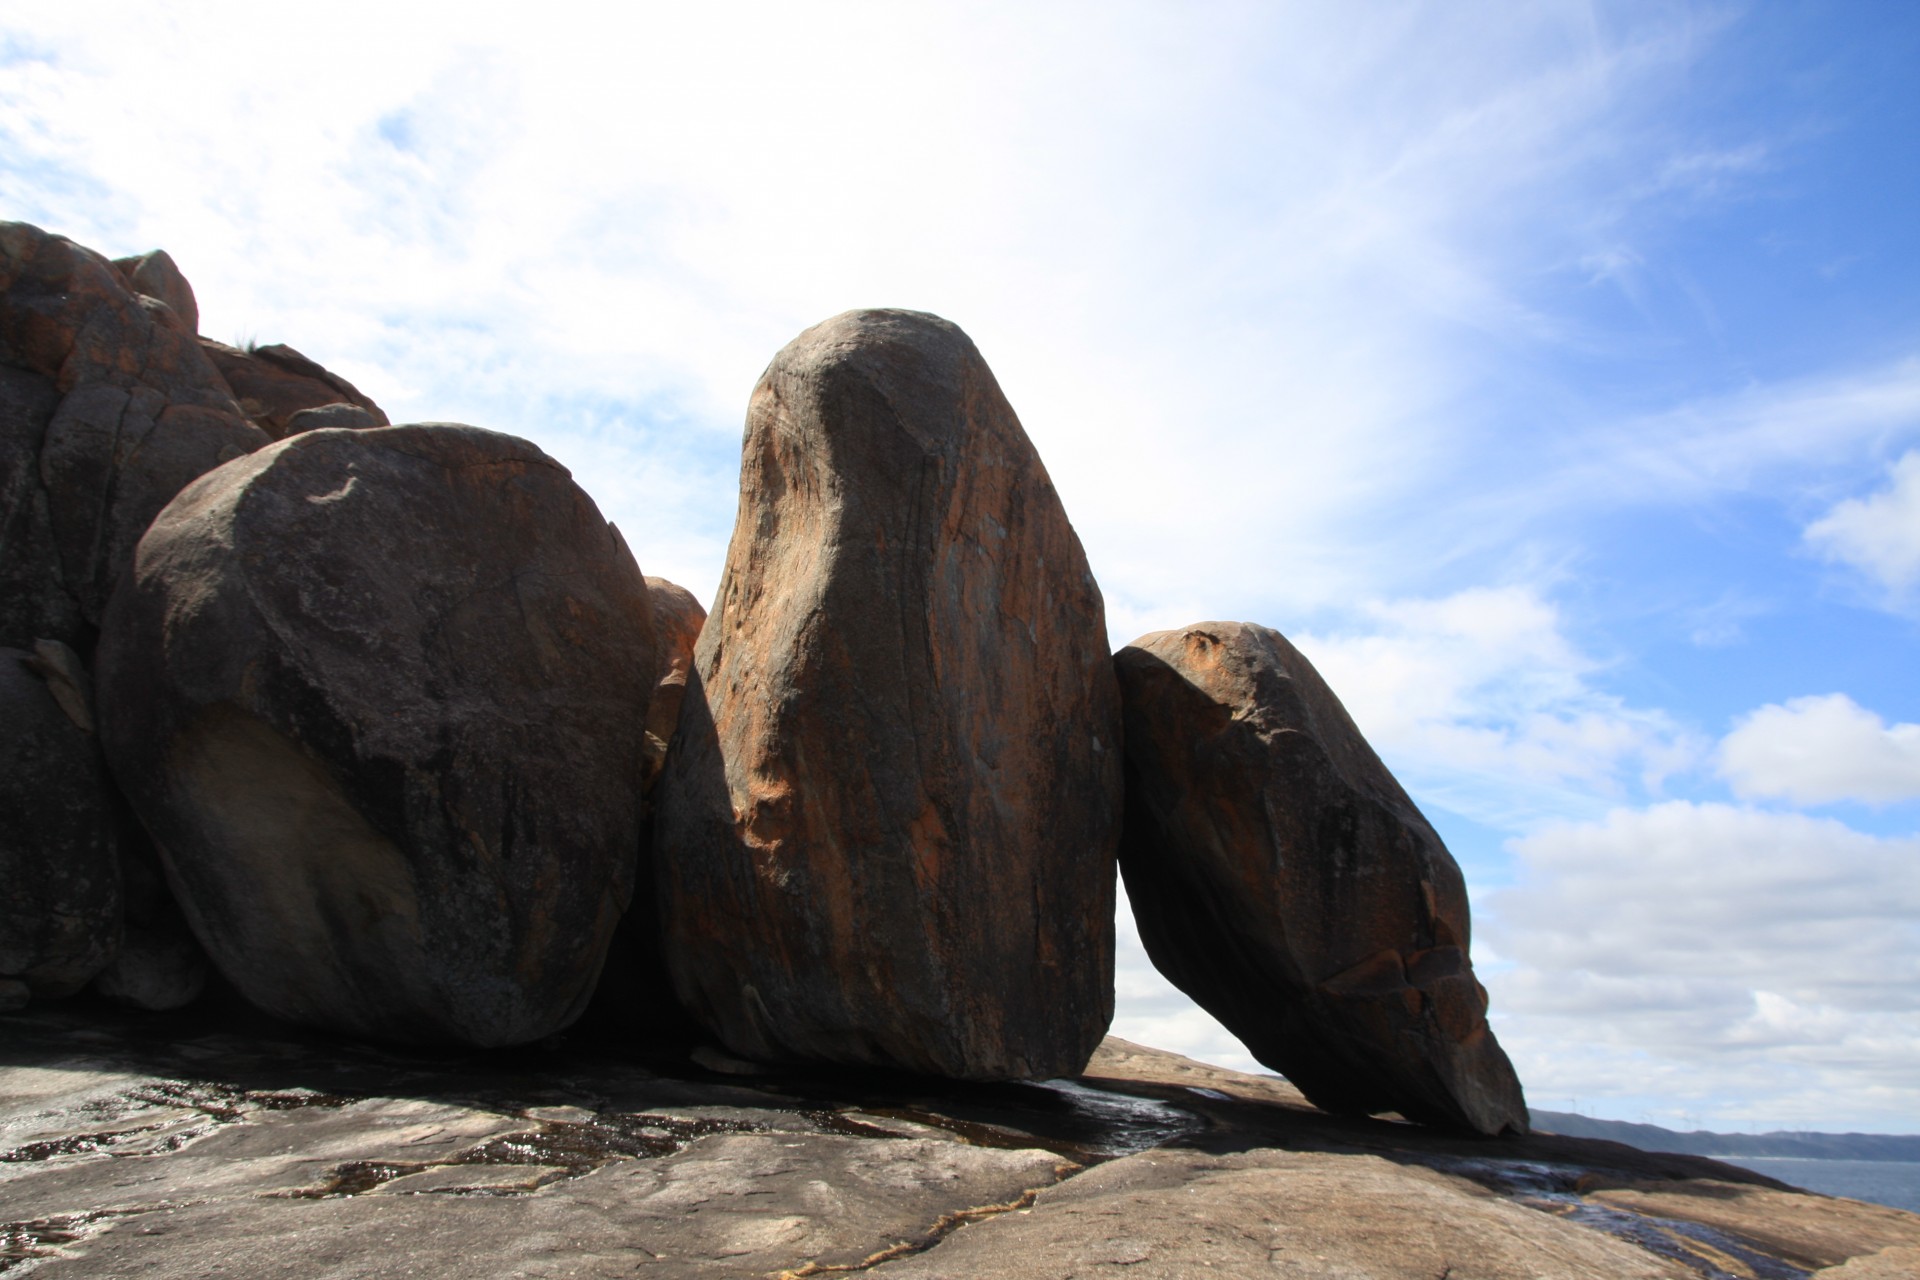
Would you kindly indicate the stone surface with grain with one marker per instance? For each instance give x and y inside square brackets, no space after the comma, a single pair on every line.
[60,887]
[886,831]
[1283,879]
[380,697]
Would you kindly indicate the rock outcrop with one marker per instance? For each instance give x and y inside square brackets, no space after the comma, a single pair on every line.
[380,697]
[108,408]
[886,830]
[218,1149]
[60,891]
[281,390]
[1284,881]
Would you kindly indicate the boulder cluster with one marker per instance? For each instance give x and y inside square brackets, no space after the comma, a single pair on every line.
[386,725]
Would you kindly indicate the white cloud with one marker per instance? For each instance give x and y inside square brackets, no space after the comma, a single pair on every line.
[1819,750]
[1880,534]
[1224,262]
[1150,1010]
[1487,707]
[1702,951]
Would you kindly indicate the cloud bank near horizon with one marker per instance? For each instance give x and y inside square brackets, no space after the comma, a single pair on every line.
[1542,373]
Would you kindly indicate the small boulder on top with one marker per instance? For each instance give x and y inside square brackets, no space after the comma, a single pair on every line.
[275,384]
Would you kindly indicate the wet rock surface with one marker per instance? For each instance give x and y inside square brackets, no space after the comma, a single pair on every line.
[216,1141]
[1284,880]
[379,696]
[886,831]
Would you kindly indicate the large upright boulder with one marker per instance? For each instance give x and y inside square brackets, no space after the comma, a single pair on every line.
[60,890]
[887,827]
[380,697]
[1284,880]
[108,407]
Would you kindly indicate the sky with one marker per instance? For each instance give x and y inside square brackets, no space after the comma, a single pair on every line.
[1549,373]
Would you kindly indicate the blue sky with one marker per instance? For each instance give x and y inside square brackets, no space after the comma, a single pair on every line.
[1549,373]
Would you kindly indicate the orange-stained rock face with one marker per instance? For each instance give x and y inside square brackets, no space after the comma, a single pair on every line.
[280,390]
[1285,881]
[380,698]
[886,832]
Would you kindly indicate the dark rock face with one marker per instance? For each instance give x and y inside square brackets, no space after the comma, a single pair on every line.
[380,696]
[60,894]
[1283,879]
[275,384]
[159,965]
[886,830]
[108,407]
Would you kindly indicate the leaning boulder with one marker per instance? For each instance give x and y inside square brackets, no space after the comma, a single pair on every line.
[1282,878]
[60,895]
[380,698]
[277,386]
[887,827]
[108,407]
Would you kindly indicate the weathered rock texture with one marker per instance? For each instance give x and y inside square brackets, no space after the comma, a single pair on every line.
[886,831]
[677,619]
[380,696]
[108,407]
[278,388]
[204,1150]
[60,893]
[1282,878]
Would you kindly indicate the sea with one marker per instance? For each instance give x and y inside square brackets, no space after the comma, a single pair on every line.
[1890,1182]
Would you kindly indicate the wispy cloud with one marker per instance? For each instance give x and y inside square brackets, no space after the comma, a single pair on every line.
[1482,700]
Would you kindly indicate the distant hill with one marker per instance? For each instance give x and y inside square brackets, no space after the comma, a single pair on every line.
[1806,1146]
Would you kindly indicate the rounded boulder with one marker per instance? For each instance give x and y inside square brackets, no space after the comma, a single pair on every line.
[380,697]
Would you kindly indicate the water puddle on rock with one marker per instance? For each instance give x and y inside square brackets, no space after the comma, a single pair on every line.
[25,1245]
[1075,1121]
[569,1148]
[1711,1253]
